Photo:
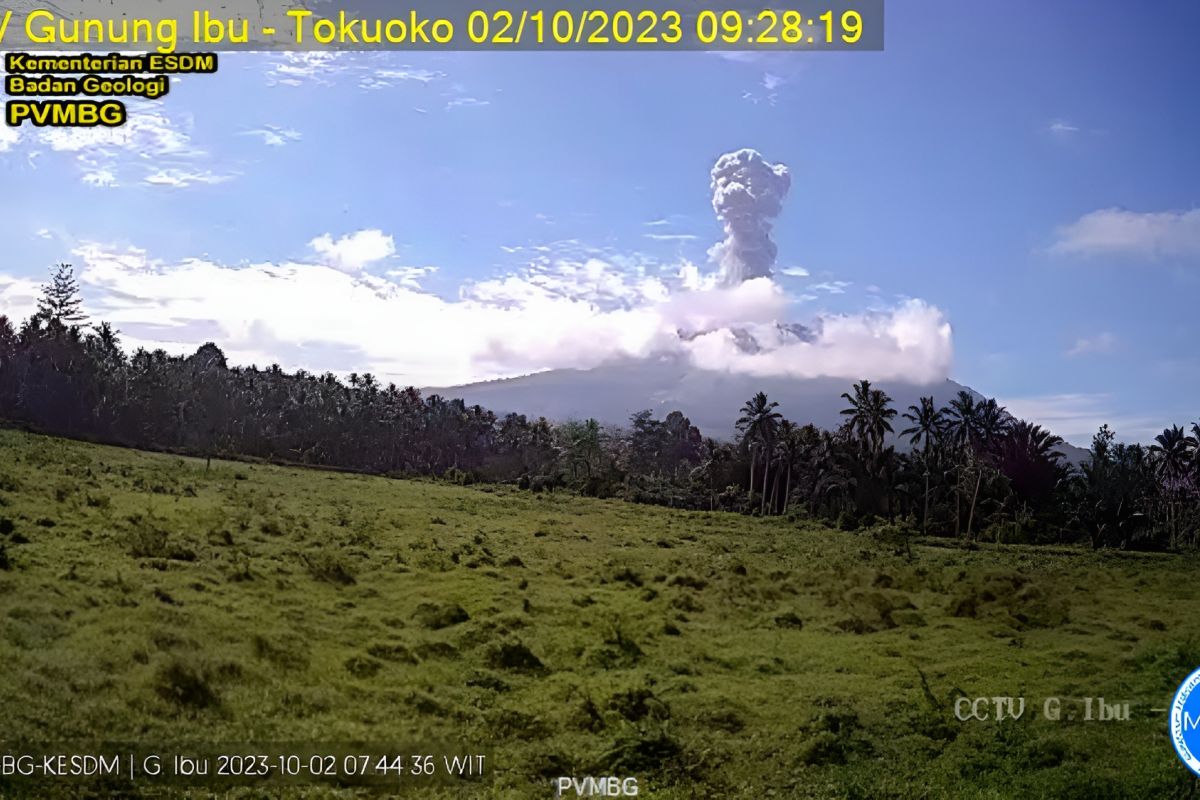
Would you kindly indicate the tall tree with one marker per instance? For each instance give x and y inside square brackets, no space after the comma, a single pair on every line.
[869,415]
[1172,449]
[927,424]
[60,302]
[758,424]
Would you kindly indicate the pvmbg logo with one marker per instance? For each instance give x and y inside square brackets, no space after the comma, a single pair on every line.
[1185,722]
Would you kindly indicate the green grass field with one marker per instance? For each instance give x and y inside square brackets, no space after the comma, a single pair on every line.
[146,599]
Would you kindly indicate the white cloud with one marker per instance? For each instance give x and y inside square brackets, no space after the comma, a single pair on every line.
[386,77]
[562,312]
[273,136]
[151,148]
[670,237]
[144,133]
[101,177]
[793,272]
[1077,417]
[9,137]
[1115,230]
[352,252]
[182,178]
[309,66]
[1061,128]
[322,68]
[18,298]
[911,341]
[1094,345]
[466,102]
[831,287]
[410,277]
[736,56]
[772,82]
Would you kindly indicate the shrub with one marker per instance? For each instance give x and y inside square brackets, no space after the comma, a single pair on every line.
[638,750]
[638,704]
[330,568]
[435,616]
[185,685]
[515,657]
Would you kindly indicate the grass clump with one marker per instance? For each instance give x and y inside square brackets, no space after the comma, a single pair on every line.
[515,657]
[329,567]
[435,616]
[185,685]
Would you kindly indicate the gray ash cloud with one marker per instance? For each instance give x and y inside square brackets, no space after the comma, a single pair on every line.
[748,193]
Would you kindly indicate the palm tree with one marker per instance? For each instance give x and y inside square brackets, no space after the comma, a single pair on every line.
[1195,437]
[1173,449]
[925,431]
[961,427]
[791,445]
[870,414]
[961,419]
[758,424]
[715,456]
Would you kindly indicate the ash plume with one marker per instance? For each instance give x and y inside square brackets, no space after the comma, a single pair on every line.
[748,194]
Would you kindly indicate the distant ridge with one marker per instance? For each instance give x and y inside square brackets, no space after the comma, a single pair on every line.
[710,399]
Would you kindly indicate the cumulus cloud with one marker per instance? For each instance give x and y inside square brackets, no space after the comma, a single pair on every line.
[18,297]
[1118,231]
[410,277]
[559,314]
[352,252]
[747,195]
[909,342]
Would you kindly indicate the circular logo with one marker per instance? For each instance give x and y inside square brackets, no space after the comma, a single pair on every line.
[1185,722]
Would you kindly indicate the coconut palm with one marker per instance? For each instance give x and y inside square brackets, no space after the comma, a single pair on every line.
[869,415]
[961,419]
[1173,454]
[927,424]
[758,424]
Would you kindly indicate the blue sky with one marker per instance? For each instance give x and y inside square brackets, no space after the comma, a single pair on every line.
[1026,172]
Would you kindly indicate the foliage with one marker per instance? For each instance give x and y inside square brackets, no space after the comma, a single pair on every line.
[967,468]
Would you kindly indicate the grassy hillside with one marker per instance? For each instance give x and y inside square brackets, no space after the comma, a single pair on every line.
[146,599]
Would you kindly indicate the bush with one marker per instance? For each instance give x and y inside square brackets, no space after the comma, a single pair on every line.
[435,616]
[515,657]
[640,750]
[185,685]
[330,568]
[638,704]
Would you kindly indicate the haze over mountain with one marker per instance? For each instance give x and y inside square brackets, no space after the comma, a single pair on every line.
[711,399]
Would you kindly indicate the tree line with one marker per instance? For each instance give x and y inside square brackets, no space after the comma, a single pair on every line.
[968,469]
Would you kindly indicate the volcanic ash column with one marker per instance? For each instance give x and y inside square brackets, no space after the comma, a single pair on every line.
[748,194]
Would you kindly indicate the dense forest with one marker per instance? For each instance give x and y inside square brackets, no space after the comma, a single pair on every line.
[968,470]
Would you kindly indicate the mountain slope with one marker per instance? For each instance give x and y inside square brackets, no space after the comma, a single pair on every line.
[710,399]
